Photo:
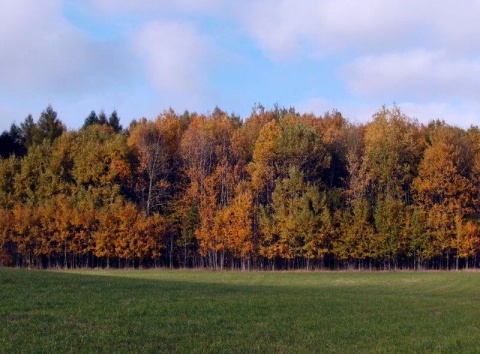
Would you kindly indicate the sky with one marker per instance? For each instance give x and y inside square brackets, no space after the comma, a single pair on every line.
[143,57]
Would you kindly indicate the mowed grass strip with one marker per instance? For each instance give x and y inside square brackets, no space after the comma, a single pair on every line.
[199,311]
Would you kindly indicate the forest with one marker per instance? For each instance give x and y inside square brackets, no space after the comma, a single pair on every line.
[276,190]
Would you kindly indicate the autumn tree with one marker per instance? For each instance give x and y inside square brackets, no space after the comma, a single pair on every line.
[393,149]
[234,224]
[444,192]
[7,244]
[209,164]
[9,169]
[354,240]
[278,189]
[102,164]
[283,145]
[332,128]
[156,144]
[296,224]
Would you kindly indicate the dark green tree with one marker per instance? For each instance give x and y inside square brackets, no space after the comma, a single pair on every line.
[91,119]
[114,122]
[11,143]
[49,126]
[102,118]
[29,132]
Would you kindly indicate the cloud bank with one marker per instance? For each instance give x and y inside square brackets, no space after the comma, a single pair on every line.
[143,56]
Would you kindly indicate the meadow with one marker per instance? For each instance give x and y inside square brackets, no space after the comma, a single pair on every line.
[201,311]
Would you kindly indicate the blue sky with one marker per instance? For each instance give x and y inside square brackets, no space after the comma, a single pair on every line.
[142,57]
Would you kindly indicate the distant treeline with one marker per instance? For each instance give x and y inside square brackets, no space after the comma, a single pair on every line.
[278,190]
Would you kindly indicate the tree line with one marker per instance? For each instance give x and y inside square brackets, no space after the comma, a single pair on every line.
[276,190]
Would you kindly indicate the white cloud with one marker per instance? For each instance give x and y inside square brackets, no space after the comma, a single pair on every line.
[454,25]
[416,74]
[38,47]
[316,105]
[42,52]
[177,61]
[285,28]
[149,8]
[47,60]
[461,114]
[277,26]
[355,112]
[174,54]
[418,52]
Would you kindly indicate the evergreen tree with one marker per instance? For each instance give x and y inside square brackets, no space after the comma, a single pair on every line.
[102,118]
[114,122]
[29,132]
[91,120]
[49,126]
[11,143]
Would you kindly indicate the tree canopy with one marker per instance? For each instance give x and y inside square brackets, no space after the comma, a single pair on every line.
[277,190]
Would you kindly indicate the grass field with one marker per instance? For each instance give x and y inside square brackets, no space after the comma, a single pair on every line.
[200,311]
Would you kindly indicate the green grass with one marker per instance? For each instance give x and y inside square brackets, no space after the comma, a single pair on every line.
[200,311]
